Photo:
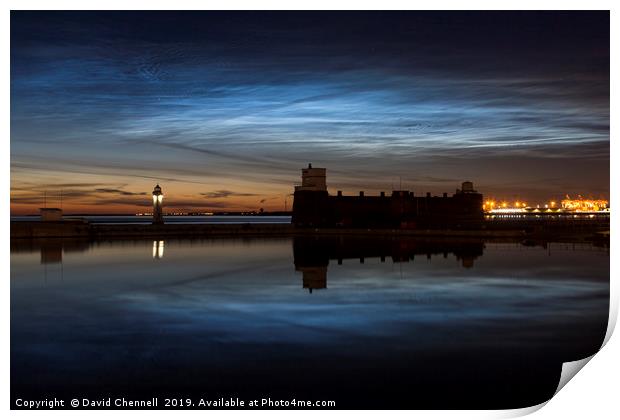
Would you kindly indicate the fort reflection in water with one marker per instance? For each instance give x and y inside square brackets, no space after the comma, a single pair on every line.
[313,254]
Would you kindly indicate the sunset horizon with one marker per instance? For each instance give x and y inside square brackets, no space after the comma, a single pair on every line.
[226,108]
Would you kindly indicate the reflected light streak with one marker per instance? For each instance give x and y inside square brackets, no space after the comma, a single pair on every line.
[158,249]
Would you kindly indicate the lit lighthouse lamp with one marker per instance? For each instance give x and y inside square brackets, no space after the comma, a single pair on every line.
[158,198]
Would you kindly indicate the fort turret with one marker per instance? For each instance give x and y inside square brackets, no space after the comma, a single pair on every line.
[313,179]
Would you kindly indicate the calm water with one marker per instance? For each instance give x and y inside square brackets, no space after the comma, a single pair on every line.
[367,323]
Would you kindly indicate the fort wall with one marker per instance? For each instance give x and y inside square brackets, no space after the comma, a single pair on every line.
[315,207]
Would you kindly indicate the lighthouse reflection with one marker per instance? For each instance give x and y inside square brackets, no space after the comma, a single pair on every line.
[312,254]
[158,249]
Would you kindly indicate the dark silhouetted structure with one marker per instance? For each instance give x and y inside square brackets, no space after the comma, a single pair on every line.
[314,207]
[51,214]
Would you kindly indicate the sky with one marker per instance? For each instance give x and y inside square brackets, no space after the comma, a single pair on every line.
[223,109]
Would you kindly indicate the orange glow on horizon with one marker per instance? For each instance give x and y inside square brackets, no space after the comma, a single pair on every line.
[584,205]
[119,198]
[579,204]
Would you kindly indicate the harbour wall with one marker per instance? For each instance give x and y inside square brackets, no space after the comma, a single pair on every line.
[83,229]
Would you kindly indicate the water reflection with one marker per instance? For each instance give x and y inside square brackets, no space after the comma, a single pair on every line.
[51,250]
[312,254]
[158,249]
[405,323]
[51,253]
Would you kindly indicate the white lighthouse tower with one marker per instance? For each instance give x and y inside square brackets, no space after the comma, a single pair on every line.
[158,198]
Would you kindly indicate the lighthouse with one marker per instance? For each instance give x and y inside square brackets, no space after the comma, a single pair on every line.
[158,198]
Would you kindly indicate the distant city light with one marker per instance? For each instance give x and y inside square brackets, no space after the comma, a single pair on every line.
[584,205]
[568,205]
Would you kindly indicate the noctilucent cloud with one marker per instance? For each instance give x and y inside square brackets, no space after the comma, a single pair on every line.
[224,108]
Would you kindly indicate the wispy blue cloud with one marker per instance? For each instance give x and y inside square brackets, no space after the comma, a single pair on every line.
[259,97]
